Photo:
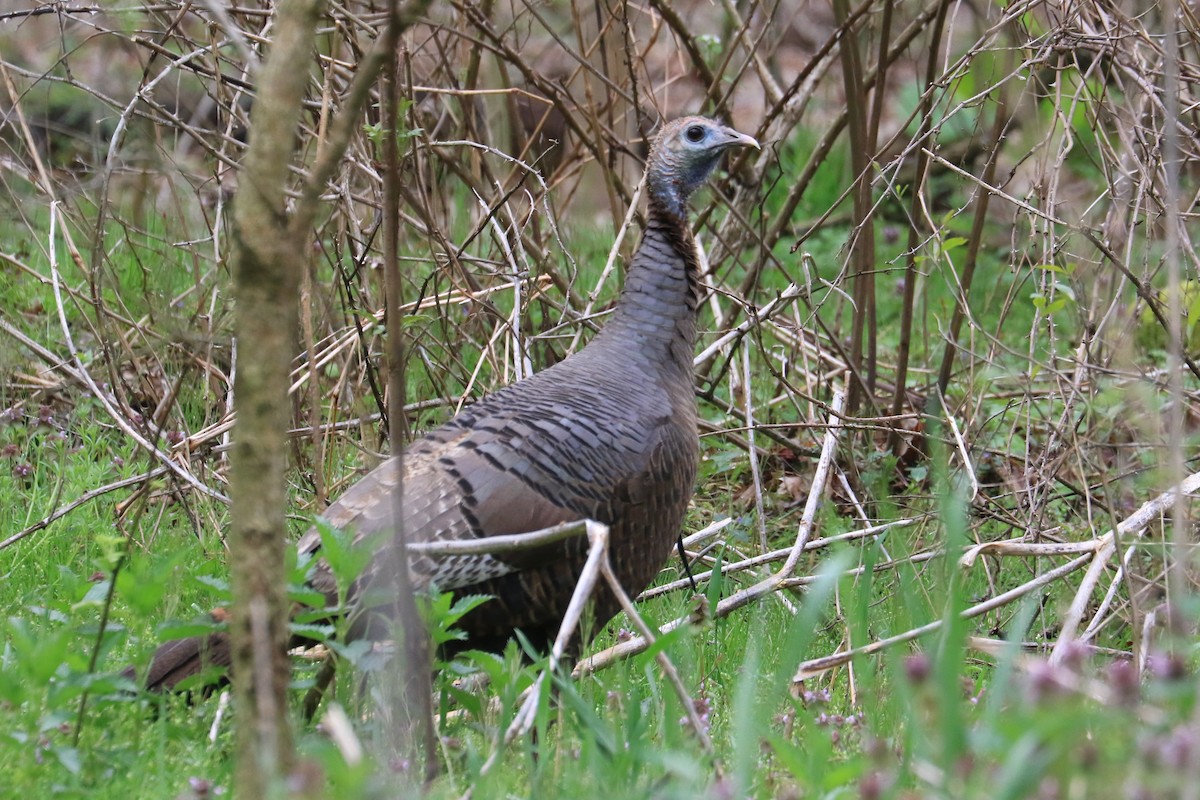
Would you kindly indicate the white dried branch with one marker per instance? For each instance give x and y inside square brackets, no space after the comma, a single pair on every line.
[106,400]
[340,730]
[735,567]
[1016,547]
[777,304]
[816,666]
[523,720]
[1132,526]
[507,543]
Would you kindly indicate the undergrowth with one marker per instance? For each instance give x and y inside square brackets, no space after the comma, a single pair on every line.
[998,596]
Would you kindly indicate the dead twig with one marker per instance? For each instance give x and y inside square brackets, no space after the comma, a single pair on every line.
[1130,528]
[524,718]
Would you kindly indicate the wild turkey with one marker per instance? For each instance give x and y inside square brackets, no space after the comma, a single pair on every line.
[607,434]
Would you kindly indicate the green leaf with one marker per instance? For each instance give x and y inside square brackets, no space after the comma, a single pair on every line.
[346,559]
[354,652]
[219,587]
[143,589]
[307,596]
[468,701]
[717,582]
[95,597]
[206,677]
[319,633]
[175,629]
[69,758]
[464,605]
[38,652]
[442,612]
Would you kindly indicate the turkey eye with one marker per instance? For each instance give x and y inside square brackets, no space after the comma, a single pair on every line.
[695,133]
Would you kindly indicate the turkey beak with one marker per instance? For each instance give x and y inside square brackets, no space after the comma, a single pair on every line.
[737,139]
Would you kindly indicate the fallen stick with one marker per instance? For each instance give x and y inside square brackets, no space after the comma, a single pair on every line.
[523,720]
[816,666]
[1134,525]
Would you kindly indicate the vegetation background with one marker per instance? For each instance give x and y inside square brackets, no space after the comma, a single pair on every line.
[972,219]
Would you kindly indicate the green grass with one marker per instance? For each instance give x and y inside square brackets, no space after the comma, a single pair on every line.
[993,731]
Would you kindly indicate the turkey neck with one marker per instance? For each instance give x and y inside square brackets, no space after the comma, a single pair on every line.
[656,313]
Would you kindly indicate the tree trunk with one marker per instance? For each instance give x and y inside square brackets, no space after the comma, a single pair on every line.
[267,265]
